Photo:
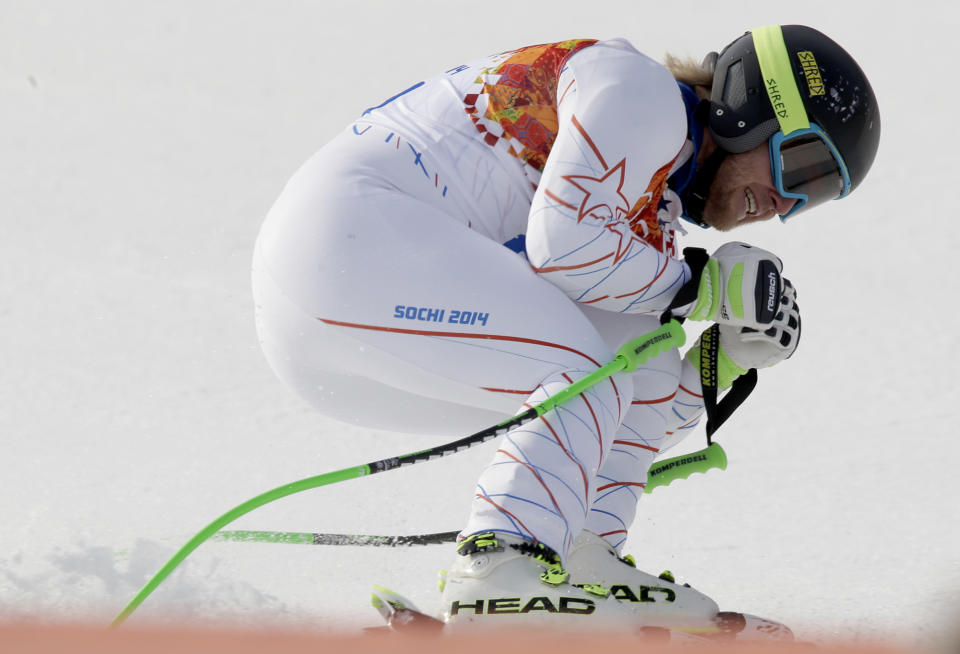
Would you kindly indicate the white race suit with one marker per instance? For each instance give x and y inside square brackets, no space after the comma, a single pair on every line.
[477,242]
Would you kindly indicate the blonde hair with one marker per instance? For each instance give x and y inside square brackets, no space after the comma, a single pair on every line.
[690,71]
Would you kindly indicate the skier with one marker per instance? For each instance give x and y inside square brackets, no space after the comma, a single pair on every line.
[479,241]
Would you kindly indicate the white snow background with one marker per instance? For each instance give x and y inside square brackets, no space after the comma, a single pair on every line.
[141,144]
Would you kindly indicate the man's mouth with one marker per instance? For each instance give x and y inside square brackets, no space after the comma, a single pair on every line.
[751,202]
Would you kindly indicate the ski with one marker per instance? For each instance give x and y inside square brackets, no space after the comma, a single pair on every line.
[403,616]
[735,626]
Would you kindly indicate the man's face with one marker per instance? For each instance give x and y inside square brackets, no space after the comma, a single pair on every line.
[743,191]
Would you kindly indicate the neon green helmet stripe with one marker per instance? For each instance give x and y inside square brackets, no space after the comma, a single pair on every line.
[778,78]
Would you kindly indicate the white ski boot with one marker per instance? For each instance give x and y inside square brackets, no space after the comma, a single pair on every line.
[500,580]
[593,561]
[681,609]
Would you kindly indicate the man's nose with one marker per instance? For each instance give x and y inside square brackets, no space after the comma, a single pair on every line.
[784,205]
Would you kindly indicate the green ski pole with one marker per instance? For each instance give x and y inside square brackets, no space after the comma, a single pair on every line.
[661,473]
[634,353]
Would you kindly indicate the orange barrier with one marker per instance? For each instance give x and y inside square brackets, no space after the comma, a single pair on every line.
[61,639]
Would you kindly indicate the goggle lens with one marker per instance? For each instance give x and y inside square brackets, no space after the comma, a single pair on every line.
[807,166]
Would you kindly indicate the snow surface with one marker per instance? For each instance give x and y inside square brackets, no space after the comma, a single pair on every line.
[141,145]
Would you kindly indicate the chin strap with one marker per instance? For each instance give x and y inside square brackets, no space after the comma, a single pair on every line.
[695,197]
[695,201]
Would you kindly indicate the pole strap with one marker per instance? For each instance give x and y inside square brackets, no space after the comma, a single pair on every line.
[717,413]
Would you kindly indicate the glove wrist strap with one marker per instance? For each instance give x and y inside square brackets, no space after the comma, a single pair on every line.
[696,259]
[708,293]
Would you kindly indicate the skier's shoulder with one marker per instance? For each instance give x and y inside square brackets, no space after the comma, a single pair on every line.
[631,67]
[626,94]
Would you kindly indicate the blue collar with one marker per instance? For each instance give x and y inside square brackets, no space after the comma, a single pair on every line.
[683,177]
[681,180]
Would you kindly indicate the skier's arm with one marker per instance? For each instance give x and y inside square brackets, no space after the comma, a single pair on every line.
[593,228]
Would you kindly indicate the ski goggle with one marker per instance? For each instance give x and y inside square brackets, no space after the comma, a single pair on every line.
[807,166]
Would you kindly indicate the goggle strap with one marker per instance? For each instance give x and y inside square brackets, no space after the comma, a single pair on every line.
[778,78]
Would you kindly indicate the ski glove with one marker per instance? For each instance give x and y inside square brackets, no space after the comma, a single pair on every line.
[741,286]
[742,348]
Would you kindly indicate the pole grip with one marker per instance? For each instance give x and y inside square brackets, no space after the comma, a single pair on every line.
[661,473]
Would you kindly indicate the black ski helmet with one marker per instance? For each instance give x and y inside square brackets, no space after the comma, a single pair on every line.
[834,90]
